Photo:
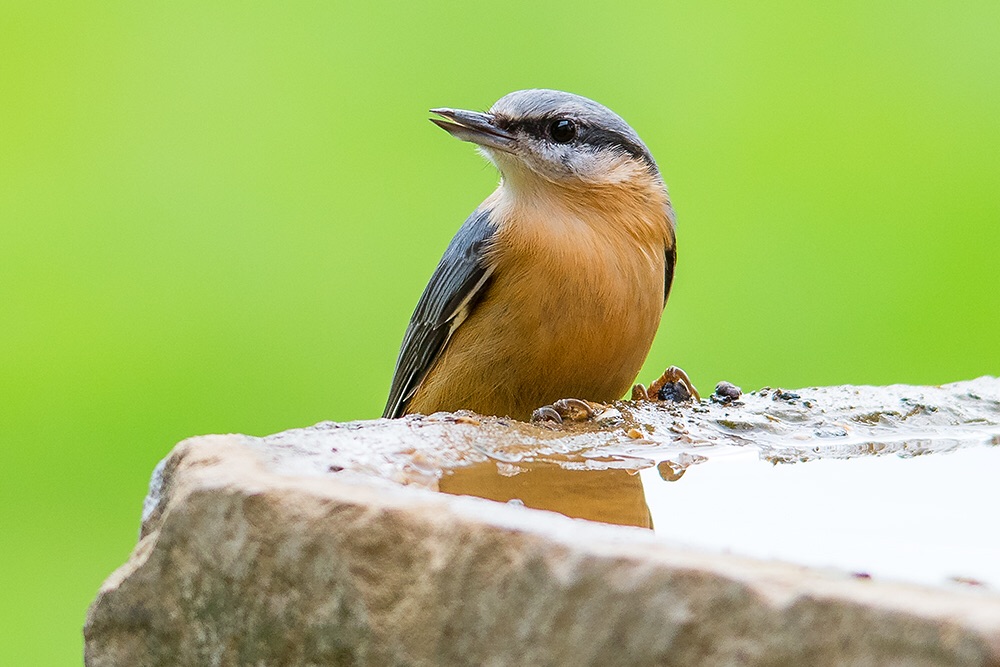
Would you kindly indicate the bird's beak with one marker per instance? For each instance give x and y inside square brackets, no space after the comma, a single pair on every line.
[479,128]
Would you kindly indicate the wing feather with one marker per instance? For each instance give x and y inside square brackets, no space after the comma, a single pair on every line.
[458,283]
[668,278]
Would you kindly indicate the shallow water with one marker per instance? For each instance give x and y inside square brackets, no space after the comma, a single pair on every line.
[930,518]
[892,482]
[873,494]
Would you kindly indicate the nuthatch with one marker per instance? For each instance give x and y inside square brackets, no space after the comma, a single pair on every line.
[555,285]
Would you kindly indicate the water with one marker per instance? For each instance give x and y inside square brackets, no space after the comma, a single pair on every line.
[906,492]
[929,519]
[891,482]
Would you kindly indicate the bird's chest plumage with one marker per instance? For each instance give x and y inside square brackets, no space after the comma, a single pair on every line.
[570,291]
[571,310]
[588,304]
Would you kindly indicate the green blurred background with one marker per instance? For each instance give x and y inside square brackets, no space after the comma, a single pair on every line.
[217,217]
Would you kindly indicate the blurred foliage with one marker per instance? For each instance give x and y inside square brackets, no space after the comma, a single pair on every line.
[218,216]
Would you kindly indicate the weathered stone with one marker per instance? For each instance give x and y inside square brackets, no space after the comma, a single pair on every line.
[329,546]
[304,549]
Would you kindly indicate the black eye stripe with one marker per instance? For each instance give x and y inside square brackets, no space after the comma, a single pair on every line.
[531,126]
[595,137]
[602,138]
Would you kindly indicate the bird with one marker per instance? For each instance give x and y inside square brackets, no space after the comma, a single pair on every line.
[551,292]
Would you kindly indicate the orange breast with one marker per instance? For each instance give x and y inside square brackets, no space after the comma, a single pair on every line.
[572,311]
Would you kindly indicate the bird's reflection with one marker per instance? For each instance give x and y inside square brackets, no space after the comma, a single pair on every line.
[609,496]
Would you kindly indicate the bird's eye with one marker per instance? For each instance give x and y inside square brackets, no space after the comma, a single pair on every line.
[563,131]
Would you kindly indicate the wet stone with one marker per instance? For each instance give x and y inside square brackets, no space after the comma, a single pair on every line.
[727,391]
[359,544]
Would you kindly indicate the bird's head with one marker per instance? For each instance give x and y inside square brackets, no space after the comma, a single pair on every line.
[550,137]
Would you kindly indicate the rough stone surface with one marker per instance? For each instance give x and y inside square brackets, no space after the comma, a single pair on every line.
[304,549]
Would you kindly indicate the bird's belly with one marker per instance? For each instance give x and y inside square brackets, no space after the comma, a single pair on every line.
[582,336]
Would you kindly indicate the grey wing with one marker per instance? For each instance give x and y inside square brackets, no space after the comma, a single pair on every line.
[668,277]
[458,283]
[670,252]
